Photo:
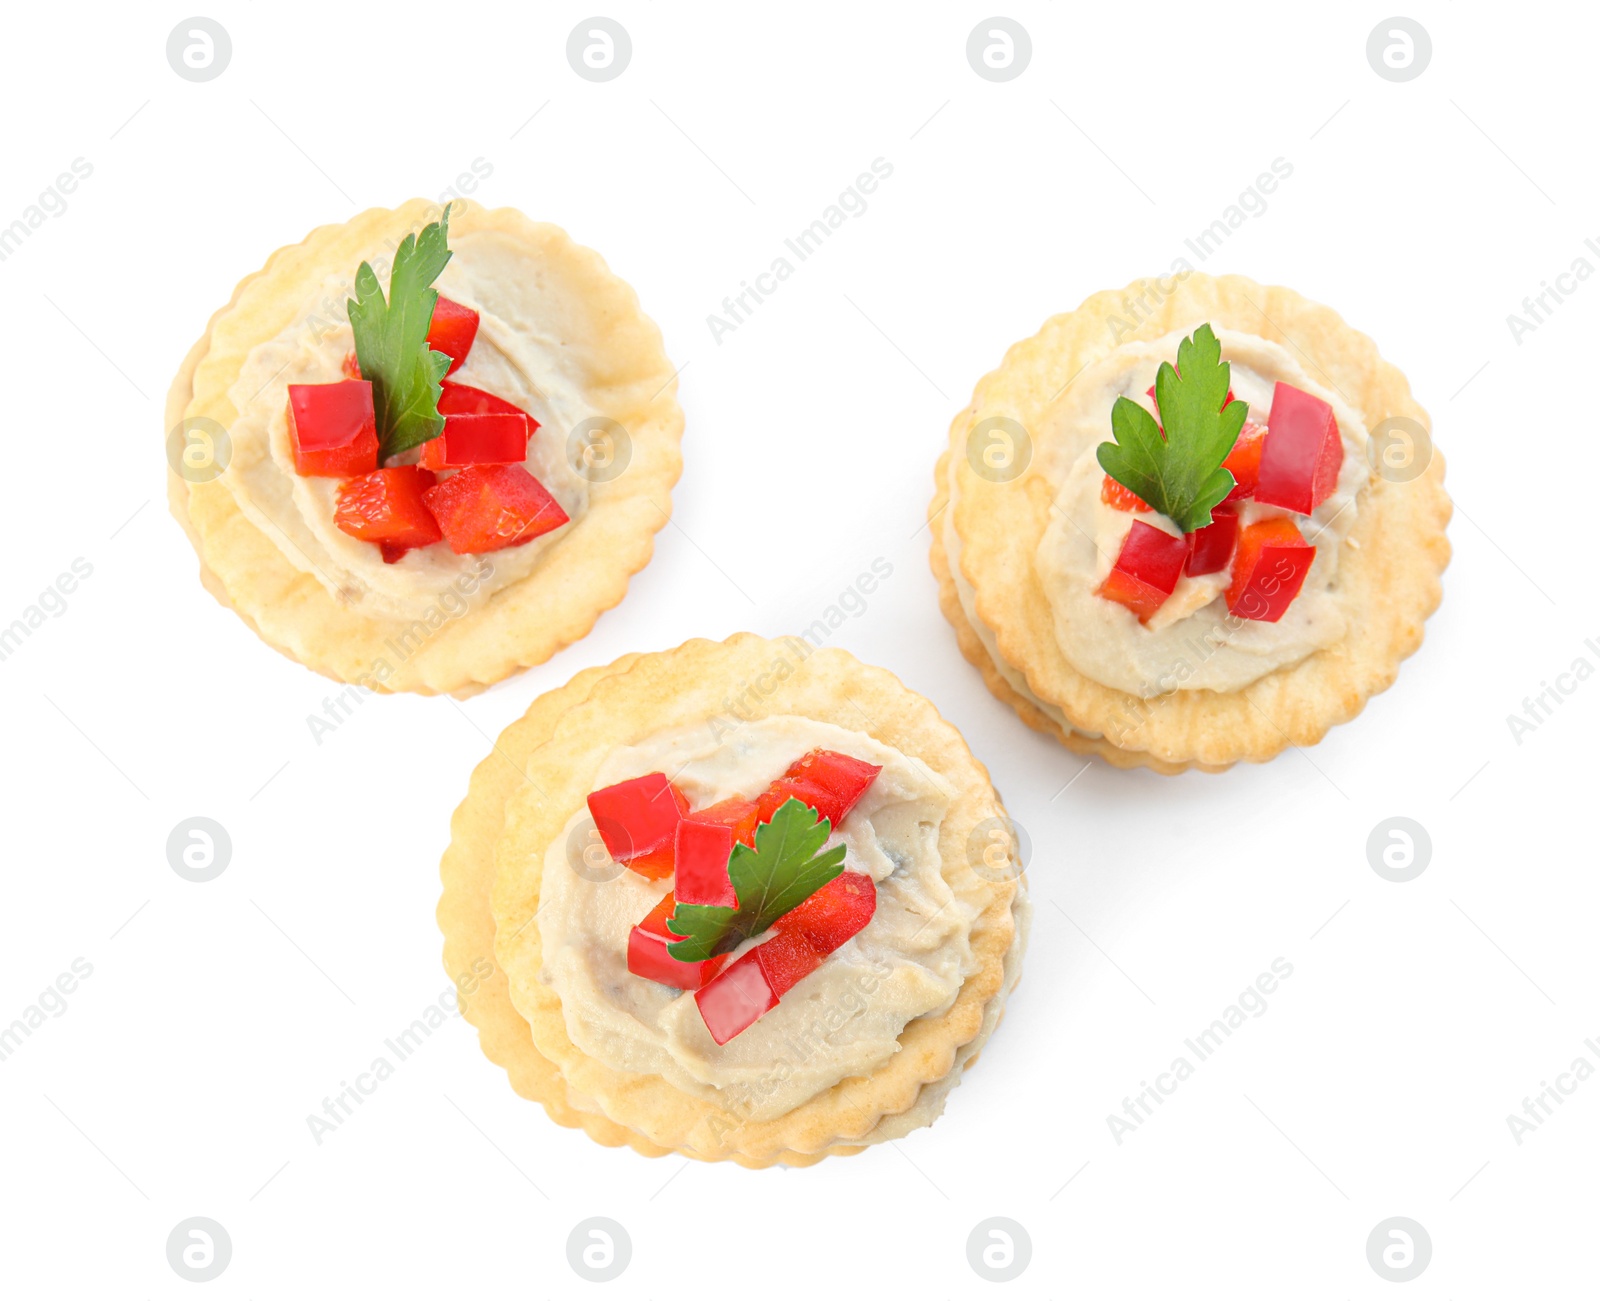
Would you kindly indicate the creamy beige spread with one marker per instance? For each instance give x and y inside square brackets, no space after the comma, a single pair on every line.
[510,358]
[843,1019]
[1192,642]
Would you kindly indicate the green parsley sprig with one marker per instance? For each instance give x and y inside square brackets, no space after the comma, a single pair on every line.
[781,872]
[1179,475]
[392,340]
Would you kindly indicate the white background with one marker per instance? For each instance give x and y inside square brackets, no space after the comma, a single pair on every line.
[178,1080]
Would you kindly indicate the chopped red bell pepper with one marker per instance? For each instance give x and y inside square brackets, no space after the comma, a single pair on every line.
[1244,461]
[452,330]
[749,988]
[786,959]
[840,778]
[464,400]
[700,859]
[1148,568]
[386,507]
[1119,498]
[490,439]
[736,998]
[488,507]
[834,913]
[1268,570]
[1211,545]
[638,822]
[332,428]
[1302,453]
[782,791]
[740,815]
[350,366]
[648,956]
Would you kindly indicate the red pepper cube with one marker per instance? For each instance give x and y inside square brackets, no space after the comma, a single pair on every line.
[1148,568]
[489,507]
[1211,546]
[786,959]
[452,330]
[1268,570]
[350,366]
[1244,461]
[736,998]
[648,955]
[493,438]
[638,821]
[464,400]
[700,859]
[1119,498]
[1302,452]
[332,428]
[841,778]
[739,815]
[386,507]
[834,913]
[785,789]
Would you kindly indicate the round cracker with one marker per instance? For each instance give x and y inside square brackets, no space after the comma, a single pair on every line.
[1391,573]
[542,770]
[606,338]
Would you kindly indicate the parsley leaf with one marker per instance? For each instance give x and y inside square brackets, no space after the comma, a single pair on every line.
[780,873]
[1181,474]
[392,340]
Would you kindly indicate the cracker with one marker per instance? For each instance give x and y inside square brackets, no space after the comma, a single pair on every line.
[586,569]
[1392,574]
[542,770]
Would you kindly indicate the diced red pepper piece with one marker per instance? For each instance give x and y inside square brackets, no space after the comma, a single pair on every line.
[737,998]
[1148,568]
[464,400]
[488,507]
[741,815]
[386,507]
[700,859]
[350,366]
[638,822]
[1268,570]
[1244,461]
[1211,546]
[494,438]
[332,428]
[648,956]
[841,778]
[1119,498]
[1302,453]
[785,789]
[834,913]
[786,959]
[452,330]
[748,989]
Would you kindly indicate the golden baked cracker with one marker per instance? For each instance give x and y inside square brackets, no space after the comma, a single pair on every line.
[976,654]
[586,569]
[467,873]
[467,922]
[1392,571]
[560,746]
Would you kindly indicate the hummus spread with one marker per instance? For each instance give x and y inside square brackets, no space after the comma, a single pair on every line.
[842,1020]
[1192,642]
[510,358]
